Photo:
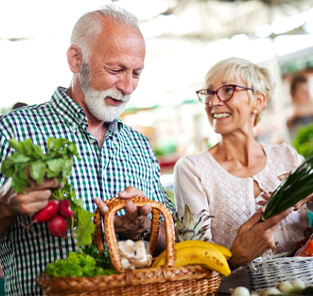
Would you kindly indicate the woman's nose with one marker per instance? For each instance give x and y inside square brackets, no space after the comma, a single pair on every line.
[215,101]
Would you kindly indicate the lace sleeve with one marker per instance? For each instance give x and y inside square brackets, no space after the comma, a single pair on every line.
[188,190]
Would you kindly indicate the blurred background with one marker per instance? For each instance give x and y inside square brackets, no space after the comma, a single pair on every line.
[184,38]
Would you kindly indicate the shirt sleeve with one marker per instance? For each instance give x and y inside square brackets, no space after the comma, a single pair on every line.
[5,151]
[188,189]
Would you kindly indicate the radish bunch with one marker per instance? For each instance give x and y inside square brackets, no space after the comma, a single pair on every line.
[56,214]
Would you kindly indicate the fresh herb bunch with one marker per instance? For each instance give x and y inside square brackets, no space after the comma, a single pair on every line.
[29,161]
[297,186]
[79,264]
[57,162]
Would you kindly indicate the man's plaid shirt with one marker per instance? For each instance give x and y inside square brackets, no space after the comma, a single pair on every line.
[125,159]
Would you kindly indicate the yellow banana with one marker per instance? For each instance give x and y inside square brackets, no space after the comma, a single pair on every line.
[191,244]
[199,243]
[210,258]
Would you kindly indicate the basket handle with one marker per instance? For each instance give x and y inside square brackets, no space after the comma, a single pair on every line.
[116,204]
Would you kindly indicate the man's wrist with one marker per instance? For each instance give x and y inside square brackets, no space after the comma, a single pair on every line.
[6,213]
[145,235]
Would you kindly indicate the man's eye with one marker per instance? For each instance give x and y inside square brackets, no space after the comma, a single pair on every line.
[115,71]
[136,75]
[112,71]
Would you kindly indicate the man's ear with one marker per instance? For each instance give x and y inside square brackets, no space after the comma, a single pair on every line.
[74,58]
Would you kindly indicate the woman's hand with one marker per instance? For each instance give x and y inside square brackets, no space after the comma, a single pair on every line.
[297,206]
[254,238]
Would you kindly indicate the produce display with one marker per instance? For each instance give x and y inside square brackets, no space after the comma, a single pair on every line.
[29,163]
[295,288]
[297,186]
[303,141]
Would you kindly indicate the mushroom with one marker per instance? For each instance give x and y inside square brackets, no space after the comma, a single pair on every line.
[127,248]
[134,254]
[126,264]
[141,258]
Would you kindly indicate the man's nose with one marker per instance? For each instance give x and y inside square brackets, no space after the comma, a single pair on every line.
[127,83]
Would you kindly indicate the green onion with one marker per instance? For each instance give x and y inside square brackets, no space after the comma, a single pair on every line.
[297,186]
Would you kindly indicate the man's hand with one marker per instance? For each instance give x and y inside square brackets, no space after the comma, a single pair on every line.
[13,204]
[135,221]
[35,198]
[254,238]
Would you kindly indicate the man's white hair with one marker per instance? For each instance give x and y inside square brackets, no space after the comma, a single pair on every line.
[90,25]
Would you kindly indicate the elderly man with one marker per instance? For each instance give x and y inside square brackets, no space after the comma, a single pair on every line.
[106,57]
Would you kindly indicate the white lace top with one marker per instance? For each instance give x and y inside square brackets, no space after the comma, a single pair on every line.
[201,182]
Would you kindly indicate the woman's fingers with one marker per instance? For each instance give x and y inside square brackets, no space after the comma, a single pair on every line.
[275,220]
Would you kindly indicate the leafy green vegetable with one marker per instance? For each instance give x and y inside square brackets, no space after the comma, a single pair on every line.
[85,227]
[297,186]
[57,162]
[102,259]
[303,141]
[87,262]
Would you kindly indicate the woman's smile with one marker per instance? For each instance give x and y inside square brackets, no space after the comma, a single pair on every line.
[221,115]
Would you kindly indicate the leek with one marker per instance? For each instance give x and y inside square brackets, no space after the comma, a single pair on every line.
[297,186]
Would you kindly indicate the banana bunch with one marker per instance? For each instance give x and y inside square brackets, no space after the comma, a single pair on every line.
[196,252]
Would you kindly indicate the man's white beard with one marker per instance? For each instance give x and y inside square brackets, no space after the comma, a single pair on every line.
[95,99]
[97,107]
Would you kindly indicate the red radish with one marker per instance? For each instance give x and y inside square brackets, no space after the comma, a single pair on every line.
[46,213]
[64,209]
[58,226]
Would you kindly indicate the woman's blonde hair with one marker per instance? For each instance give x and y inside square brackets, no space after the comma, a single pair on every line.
[256,77]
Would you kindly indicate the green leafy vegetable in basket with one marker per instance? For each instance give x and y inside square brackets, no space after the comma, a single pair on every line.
[297,186]
[30,162]
[84,262]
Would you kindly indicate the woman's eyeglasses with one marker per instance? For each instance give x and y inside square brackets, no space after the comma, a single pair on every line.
[223,93]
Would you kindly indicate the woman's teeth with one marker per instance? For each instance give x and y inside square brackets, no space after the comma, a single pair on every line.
[221,115]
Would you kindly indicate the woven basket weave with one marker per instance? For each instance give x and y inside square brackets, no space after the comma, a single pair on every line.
[163,280]
[267,273]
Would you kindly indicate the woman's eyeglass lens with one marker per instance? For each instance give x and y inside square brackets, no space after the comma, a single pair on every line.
[223,93]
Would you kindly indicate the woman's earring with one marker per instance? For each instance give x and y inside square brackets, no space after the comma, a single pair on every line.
[255,111]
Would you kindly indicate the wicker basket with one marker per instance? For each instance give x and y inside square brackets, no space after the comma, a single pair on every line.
[163,280]
[267,273]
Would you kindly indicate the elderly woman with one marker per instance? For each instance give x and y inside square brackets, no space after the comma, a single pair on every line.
[231,178]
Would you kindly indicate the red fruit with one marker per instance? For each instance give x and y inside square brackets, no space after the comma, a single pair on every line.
[58,226]
[47,213]
[64,209]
